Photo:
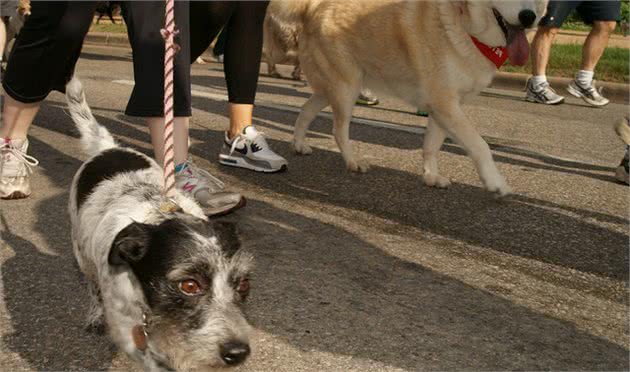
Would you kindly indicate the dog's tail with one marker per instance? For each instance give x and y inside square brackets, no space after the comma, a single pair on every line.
[94,137]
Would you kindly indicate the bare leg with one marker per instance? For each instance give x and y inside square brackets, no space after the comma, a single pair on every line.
[596,43]
[180,138]
[433,140]
[541,47]
[309,111]
[241,116]
[17,118]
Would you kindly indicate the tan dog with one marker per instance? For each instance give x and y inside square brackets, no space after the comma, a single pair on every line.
[280,40]
[419,51]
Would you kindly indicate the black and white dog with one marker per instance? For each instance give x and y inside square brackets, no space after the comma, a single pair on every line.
[168,285]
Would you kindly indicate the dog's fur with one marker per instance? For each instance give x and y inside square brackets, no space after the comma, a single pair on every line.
[139,260]
[280,41]
[419,51]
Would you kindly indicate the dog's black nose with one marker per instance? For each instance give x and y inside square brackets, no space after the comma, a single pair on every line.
[234,353]
[527,17]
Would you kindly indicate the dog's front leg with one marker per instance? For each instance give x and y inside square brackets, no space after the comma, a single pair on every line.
[342,114]
[433,140]
[95,321]
[451,118]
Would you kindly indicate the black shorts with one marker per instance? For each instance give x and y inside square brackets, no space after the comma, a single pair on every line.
[589,11]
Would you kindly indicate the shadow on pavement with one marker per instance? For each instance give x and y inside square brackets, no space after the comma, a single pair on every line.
[322,288]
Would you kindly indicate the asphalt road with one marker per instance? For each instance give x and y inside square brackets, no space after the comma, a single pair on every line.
[372,272]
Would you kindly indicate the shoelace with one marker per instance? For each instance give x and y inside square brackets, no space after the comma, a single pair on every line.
[27,160]
[239,139]
[196,172]
[542,87]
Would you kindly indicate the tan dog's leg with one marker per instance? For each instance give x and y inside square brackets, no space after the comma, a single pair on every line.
[433,140]
[451,118]
[342,107]
[297,72]
[311,108]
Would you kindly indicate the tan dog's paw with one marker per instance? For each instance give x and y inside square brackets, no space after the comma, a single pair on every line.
[435,180]
[302,148]
[497,185]
[359,166]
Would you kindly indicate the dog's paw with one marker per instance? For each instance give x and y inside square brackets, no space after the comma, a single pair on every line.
[359,166]
[302,148]
[497,185]
[435,180]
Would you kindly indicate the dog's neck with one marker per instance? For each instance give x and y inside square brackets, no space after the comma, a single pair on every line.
[456,19]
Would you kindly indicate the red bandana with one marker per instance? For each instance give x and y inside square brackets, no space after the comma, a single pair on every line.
[496,55]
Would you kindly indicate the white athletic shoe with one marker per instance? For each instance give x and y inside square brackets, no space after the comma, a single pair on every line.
[207,190]
[15,169]
[589,94]
[250,150]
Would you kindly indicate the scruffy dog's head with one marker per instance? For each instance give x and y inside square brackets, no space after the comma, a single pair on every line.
[195,281]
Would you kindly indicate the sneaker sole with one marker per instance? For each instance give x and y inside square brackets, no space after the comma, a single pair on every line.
[15,195]
[224,211]
[241,163]
[577,94]
[550,103]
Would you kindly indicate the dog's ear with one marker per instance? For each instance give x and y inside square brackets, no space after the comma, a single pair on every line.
[227,234]
[131,244]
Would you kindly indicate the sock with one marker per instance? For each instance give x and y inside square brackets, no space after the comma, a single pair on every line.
[584,78]
[180,167]
[538,79]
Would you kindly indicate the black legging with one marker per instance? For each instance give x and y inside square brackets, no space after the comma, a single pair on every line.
[47,48]
[243,21]
[49,45]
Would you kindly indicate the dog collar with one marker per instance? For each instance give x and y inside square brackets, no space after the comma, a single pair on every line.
[139,334]
[496,55]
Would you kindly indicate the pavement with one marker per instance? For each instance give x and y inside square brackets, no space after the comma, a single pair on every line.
[371,272]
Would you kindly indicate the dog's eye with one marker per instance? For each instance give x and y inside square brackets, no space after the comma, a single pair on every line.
[243,286]
[190,287]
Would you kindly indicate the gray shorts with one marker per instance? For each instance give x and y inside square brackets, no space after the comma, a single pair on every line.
[589,11]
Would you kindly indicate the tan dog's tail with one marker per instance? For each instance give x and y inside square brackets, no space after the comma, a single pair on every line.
[622,128]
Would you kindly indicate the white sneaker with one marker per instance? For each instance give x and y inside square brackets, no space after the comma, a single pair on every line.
[542,93]
[589,94]
[207,190]
[15,169]
[250,150]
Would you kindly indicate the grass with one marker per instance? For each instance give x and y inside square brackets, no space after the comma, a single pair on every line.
[565,60]
[579,26]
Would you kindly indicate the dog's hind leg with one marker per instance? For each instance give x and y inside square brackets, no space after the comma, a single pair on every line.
[95,321]
[433,140]
[451,118]
[309,111]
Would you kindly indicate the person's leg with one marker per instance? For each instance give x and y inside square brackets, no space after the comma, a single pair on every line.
[244,146]
[541,48]
[603,16]
[537,87]
[42,59]
[596,43]
[144,19]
